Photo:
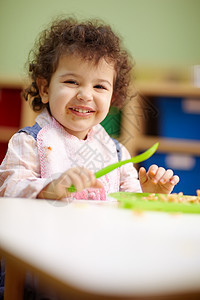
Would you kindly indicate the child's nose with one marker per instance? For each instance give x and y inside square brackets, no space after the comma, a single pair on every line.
[85,94]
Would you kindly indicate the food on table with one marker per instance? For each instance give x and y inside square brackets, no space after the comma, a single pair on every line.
[177,198]
[171,203]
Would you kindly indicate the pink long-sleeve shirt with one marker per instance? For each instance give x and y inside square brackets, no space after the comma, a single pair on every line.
[30,164]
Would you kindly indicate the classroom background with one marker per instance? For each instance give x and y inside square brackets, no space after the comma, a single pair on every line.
[163,38]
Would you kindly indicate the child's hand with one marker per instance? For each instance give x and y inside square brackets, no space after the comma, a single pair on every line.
[80,177]
[157,180]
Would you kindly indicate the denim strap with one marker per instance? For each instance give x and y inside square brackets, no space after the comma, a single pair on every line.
[117,144]
[33,131]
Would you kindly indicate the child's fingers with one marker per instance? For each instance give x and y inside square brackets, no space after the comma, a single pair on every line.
[157,179]
[70,177]
[80,177]
[153,169]
[165,177]
[174,180]
[168,174]
[155,176]
[98,185]
[87,177]
[168,186]
[142,175]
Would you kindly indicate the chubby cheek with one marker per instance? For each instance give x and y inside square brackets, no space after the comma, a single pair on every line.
[104,106]
[57,104]
[56,111]
[103,113]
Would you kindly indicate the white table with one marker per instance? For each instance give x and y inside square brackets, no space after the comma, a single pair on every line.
[97,249]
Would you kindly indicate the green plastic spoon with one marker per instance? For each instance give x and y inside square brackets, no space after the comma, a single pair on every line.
[136,159]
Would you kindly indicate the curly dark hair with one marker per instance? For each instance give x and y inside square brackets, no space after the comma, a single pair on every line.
[91,40]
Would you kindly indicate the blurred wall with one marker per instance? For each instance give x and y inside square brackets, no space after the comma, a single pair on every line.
[156,32]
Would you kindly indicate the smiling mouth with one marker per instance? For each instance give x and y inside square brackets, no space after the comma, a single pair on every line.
[81,110]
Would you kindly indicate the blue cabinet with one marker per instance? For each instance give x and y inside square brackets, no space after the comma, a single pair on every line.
[178,117]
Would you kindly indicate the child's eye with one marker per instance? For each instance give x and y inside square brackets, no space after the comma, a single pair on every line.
[71,82]
[99,86]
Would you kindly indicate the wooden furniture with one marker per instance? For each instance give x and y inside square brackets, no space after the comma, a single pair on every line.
[95,250]
[26,115]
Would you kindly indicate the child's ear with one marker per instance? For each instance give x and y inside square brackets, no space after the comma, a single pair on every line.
[43,89]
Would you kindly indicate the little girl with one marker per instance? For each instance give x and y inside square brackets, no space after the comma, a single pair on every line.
[77,71]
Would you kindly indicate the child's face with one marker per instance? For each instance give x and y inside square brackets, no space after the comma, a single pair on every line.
[79,93]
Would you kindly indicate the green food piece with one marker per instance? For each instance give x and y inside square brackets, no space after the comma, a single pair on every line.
[71,189]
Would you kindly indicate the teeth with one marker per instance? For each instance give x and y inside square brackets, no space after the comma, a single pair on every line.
[81,110]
